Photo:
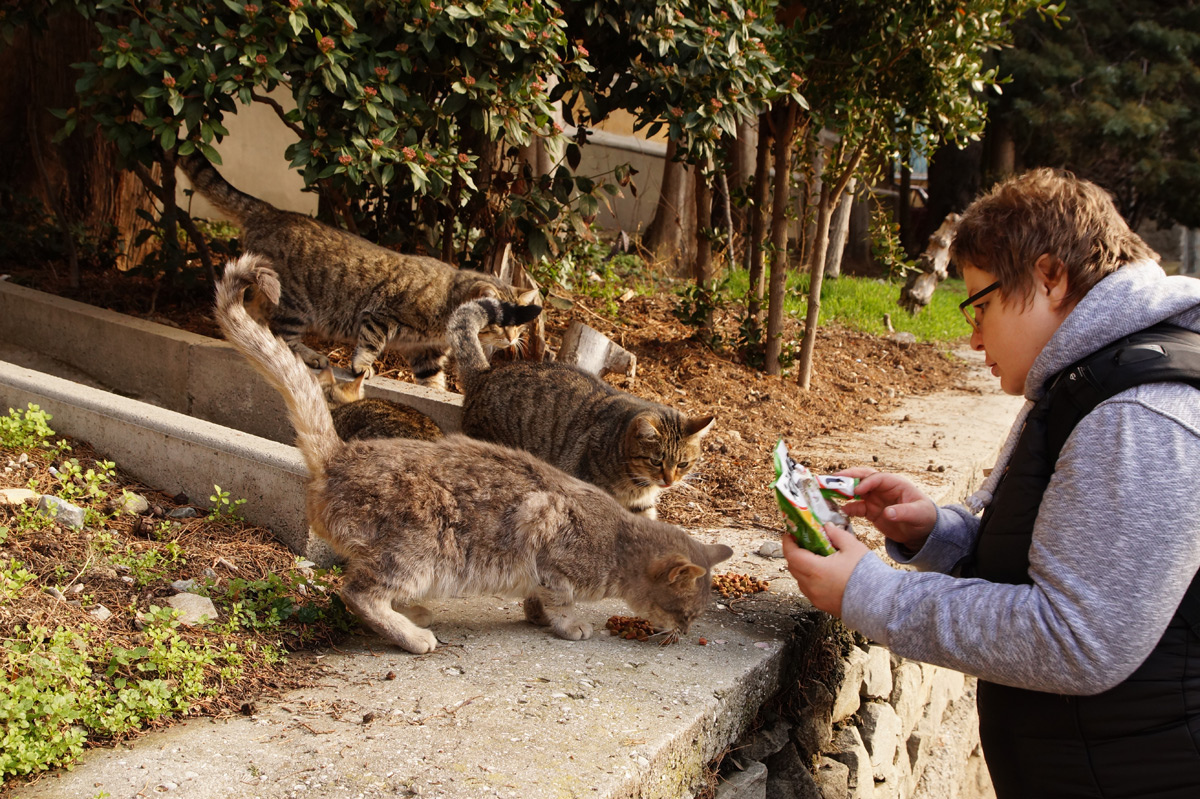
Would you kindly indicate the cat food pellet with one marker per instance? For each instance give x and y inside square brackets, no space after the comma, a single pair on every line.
[703,642]
[629,627]
[391,675]
[733,586]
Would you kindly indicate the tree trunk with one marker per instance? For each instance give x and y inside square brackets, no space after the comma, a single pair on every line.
[664,237]
[83,171]
[830,194]
[839,228]
[784,120]
[904,211]
[754,247]
[934,267]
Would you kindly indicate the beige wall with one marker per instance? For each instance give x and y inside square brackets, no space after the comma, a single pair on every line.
[253,161]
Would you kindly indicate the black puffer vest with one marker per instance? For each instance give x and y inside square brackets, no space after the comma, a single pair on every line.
[1141,738]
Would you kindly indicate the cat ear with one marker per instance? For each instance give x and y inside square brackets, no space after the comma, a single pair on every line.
[531,297]
[676,571]
[699,427]
[357,385]
[717,553]
[643,428]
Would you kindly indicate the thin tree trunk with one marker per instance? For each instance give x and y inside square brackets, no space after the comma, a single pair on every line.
[758,221]
[904,210]
[664,236]
[829,196]
[839,227]
[785,127]
[726,216]
[702,268]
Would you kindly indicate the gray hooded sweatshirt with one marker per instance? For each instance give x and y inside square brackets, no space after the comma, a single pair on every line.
[1116,542]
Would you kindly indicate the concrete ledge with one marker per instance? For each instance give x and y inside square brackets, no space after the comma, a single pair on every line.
[173,452]
[173,369]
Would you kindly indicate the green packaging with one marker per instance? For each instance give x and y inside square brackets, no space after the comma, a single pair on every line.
[834,486]
[805,510]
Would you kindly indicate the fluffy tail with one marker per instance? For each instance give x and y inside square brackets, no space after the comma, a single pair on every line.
[274,360]
[462,331]
[218,191]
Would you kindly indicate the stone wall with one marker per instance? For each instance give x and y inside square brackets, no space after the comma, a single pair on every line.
[881,727]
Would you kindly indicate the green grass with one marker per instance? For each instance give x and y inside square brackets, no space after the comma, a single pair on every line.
[860,303]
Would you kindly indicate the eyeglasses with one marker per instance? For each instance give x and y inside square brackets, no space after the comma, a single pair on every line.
[968,308]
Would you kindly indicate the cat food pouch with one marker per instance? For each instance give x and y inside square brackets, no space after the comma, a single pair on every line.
[805,510]
[836,487]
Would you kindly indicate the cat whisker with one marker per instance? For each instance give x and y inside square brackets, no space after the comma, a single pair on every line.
[669,637]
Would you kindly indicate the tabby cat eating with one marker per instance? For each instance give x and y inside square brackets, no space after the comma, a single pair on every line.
[357,416]
[631,447]
[454,517]
[344,287]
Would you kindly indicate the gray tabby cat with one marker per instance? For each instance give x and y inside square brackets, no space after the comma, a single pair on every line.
[427,519]
[357,416]
[633,448]
[342,286]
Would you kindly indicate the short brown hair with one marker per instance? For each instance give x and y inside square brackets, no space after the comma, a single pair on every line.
[1046,211]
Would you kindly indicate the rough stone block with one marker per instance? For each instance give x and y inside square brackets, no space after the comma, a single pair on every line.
[847,747]
[846,697]
[910,693]
[833,779]
[880,730]
[748,784]
[877,674]
[61,511]
[765,741]
[788,776]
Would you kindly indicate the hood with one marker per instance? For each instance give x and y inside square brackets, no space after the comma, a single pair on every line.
[1130,299]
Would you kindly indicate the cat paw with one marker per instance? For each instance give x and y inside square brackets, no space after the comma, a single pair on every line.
[438,381]
[572,629]
[418,642]
[367,371]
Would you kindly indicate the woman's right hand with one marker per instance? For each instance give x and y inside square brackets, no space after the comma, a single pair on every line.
[899,509]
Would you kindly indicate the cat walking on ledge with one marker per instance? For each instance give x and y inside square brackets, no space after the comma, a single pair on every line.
[342,286]
[419,520]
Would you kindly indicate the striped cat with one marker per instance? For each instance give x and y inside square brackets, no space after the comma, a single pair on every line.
[631,447]
[344,287]
[420,520]
[356,416]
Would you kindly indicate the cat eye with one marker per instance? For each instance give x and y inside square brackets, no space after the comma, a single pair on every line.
[682,464]
[656,461]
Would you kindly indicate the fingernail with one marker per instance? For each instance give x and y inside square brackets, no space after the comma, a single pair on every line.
[890,513]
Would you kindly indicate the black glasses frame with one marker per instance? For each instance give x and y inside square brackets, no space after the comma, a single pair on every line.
[965,305]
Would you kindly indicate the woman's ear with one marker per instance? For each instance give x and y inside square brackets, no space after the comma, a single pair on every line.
[1050,278]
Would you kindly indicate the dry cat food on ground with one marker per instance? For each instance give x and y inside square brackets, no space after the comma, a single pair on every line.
[629,627]
[732,586]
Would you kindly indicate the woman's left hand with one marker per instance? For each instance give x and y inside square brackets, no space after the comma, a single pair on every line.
[823,578]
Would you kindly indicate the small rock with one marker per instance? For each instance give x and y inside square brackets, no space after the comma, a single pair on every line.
[127,580]
[77,588]
[102,573]
[186,512]
[193,609]
[18,496]
[23,457]
[131,503]
[903,338]
[61,511]
[101,613]
[185,586]
[54,592]
[165,787]
[771,549]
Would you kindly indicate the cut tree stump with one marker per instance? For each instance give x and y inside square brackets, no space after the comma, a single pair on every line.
[594,352]
[933,268]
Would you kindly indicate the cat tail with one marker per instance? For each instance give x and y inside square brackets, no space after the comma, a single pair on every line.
[208,181]
[274,360]
[462,331]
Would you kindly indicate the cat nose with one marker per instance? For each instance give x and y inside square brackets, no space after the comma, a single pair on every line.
[667,477]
